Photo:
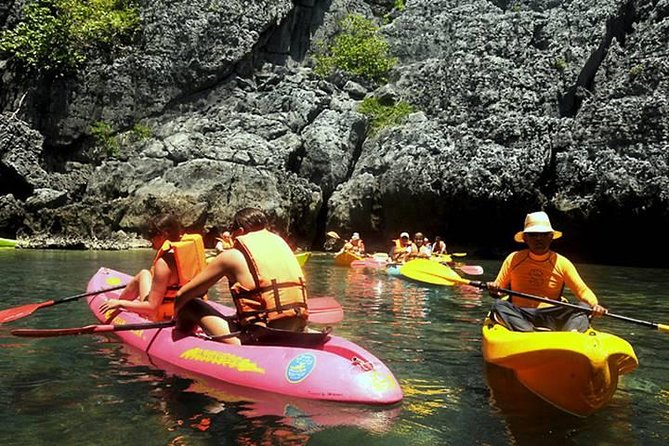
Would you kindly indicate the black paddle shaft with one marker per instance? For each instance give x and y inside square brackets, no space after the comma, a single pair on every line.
[483,285]
[92,293]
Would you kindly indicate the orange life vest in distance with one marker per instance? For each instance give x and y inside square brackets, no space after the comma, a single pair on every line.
[401,249]
[189,260]
[227,244]
[280,290]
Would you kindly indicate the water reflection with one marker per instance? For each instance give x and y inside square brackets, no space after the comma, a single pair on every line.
[190,403]
[531,420]
[89,390]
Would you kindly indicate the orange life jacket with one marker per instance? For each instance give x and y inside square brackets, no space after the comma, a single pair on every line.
[401,249]
[227,244]
[189,260]
[280,290]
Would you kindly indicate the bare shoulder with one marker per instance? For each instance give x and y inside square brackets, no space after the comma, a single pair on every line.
[229,258]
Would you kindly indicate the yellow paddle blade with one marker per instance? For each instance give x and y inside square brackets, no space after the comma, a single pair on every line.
[458,254]
[662,327]
[444,258]
[427,271]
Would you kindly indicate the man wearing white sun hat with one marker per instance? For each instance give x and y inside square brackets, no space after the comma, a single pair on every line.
[539,271]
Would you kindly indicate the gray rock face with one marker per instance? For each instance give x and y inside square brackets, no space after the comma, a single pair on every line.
[519,106]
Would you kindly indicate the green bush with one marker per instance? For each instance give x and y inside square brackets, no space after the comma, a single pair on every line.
[636,70]
[141,131]
[383,116]
[357,49]
[560,63]
[102,132]
[55,35]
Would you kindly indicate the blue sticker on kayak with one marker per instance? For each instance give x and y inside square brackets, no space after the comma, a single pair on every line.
[300,367]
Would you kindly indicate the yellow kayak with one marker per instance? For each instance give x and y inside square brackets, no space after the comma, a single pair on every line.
[576,372]
[7,243]
[302,257]
[345,258]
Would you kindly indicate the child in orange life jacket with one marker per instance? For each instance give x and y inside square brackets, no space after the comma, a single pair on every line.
[145,292]
[266,282]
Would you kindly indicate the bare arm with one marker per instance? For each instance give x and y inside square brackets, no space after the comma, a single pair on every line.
[160,280]
[224,264]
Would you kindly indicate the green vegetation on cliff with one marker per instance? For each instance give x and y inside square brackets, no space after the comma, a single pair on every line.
[103,133]
[55,35]
[383,116]
[357,49]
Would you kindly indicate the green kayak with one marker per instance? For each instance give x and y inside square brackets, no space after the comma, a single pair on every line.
[7,243]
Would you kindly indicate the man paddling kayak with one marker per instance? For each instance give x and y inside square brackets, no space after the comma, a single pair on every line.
[266,283]
[540,271]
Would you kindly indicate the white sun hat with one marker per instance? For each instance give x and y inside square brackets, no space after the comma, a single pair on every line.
[537,222]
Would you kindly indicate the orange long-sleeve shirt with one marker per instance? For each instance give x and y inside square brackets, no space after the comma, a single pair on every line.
[544,276]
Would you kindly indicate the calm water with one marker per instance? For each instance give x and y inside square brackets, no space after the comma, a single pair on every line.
[90,390]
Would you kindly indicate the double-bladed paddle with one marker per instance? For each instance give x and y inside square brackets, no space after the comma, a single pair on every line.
[12,314]
[322,310]
[447,276]
[88,329]
[474,270]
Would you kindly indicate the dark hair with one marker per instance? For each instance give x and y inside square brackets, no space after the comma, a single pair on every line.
[164,224]
[249,219]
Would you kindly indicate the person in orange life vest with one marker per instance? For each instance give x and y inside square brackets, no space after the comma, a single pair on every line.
[224,242]
[355,245]
[539,271]
[438,247]
[266,282]
[401,248]
[146,291]
[418,248]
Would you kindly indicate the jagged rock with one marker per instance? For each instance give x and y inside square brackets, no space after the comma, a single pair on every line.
[46,198]
[519,106]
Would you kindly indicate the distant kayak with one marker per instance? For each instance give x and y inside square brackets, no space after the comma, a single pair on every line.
[345,258]
[377,260]
[576,372]
[302,257]
[7,243]
[334,370]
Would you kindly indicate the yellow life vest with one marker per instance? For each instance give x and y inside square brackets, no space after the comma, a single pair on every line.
[401,249]
[227,244]
[189,260]
[280,290]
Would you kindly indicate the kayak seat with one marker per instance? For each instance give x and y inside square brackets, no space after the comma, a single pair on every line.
[498,320]
[261,335]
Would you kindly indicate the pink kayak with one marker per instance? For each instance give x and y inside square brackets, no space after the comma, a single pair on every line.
[337,370]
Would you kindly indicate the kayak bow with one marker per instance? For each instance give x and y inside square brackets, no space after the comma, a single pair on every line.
[576,372]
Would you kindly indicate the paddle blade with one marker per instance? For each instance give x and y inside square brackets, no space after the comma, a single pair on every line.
[473,270]
[53,332]
[325,310]
[427,271]
[663,327]
[12,314]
